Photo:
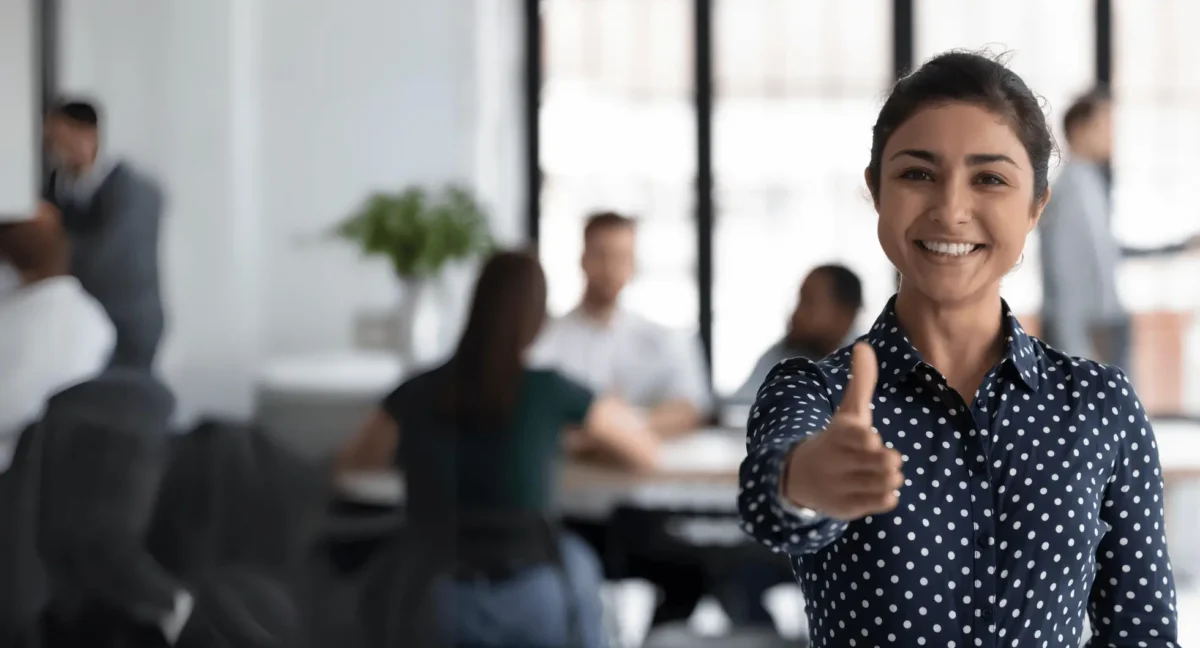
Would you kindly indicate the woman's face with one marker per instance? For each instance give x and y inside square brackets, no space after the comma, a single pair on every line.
[955,201]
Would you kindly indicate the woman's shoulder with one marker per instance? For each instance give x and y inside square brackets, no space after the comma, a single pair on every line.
[1084,371]
[415,389]
[799,375]
[547,377]
[1081,380]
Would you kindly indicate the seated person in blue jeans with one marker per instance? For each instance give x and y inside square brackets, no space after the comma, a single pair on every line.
[478,440]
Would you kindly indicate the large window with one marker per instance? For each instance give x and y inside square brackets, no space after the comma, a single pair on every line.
[795,89]
[797,85]
[618,131]
[1050,44]
[1157,148]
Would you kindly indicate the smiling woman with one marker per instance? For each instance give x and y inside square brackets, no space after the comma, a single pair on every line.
[951,477]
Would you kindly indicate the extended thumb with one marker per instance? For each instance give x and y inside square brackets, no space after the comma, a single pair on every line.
[864,372]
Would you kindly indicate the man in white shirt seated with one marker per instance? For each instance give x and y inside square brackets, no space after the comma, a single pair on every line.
[55,334]
[616,352]
[620,353]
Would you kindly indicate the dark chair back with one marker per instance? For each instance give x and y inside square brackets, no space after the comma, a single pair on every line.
[232,495]
[103,446]
[23,586]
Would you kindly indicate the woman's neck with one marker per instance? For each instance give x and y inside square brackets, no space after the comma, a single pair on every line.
[962,341]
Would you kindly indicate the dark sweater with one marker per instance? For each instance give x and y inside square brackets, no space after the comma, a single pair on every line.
[114,254]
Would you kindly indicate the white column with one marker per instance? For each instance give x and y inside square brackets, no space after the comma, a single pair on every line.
[177,82]
[20,88]
[212,236]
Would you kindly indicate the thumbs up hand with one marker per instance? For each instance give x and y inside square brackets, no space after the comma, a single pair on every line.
[845,471]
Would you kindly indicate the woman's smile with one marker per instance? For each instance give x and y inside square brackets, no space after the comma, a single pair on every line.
[948,252]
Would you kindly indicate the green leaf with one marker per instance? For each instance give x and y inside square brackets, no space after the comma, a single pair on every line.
[419,231]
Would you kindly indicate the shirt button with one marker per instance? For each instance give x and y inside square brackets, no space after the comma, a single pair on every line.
[981,541]
[987,615]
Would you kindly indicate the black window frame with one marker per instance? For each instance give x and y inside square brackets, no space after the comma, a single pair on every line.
[903,53]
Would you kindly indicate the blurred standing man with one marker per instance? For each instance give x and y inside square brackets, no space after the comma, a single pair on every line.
[111,214]
[1082,313]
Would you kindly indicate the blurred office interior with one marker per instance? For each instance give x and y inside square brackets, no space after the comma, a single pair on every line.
[735,131]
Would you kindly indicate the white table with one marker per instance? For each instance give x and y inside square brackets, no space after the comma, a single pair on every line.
[699,472]
[313,403]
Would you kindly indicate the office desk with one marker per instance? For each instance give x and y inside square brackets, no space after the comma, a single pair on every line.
[699,472]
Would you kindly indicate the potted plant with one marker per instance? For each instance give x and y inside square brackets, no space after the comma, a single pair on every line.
[420,232]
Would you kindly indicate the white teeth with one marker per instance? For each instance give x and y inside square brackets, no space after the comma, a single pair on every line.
[952,249]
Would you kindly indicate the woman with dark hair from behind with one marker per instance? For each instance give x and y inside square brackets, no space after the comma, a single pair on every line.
[478,440]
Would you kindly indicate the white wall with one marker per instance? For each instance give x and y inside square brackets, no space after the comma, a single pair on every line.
[20,90]
[267,121]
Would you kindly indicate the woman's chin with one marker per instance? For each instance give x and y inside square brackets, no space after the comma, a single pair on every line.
[944,290]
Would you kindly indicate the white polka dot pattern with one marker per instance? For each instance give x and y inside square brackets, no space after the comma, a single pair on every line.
[1036,502]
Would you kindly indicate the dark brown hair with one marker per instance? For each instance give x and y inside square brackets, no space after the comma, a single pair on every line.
[78,112]
[38,246]
[507,312]
[971,78]
[1084,109]
[606,220]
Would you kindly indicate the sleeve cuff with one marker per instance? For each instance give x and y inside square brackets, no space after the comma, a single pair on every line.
[174,623]
[802,516]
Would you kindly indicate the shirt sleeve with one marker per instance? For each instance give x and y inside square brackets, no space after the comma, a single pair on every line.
[1153,252]
[792,405]
[1133,598]
[59,336]
[689,375]
[573,399]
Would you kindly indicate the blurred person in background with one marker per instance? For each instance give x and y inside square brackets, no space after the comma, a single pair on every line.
[478,440]
[621,353]
[660,372]
[111,214]
[54,333]
[830,299]
[1082,313]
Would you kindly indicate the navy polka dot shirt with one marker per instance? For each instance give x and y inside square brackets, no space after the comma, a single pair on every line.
[1036,502]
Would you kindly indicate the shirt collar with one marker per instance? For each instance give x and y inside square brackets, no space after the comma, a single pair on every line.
[580,317]
[898,357]
[82,188]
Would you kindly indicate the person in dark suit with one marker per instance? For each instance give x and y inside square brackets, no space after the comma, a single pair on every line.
[111,213]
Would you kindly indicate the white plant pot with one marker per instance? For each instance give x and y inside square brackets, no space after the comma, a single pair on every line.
[414,311]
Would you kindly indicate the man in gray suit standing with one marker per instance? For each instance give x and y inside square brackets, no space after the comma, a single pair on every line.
[111,214]
[1082,312]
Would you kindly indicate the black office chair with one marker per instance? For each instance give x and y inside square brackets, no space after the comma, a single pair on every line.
[103,446]
[23,587]
[104,449]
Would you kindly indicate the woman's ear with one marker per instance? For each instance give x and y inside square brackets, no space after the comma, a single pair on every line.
[1038,208]
[871,186]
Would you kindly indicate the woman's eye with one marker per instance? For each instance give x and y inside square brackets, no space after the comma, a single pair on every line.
[990,179]
[916,174]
